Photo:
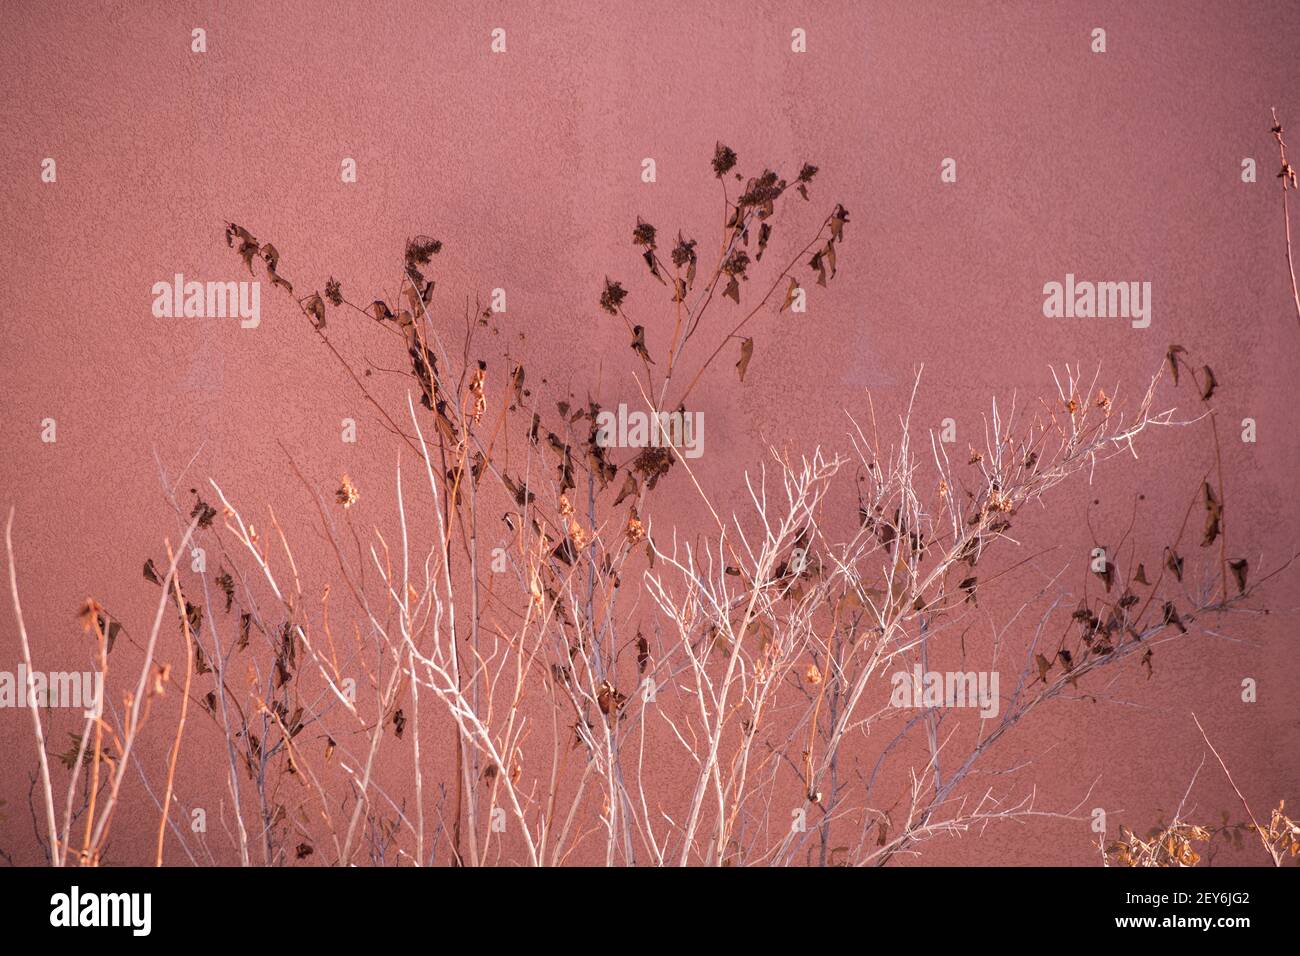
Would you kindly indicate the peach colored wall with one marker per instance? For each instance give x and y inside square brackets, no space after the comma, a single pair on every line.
[1124,165]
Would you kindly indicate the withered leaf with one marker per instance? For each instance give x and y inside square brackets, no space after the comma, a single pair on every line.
[609,699]
[732,291]
[150,572]
[399,722]
[1044,665]
[1213,515]
[200,661]
[653,264]
[564,551]
[629,489]
[110,629]
[248,246]
[746,353]
[1141,576]
[789,293]
[1239,570]
[838,218]
[517,386]
[227,585]
[816,262]
[684,255]
[1174,563]
[233,230]
[519,492]
[1172,356]
[194,617]
[968,585]
[1171,617]
[271,255]
[638,343]
[315,307]
[1209,385]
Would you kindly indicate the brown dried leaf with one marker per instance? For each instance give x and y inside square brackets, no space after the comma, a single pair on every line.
[1209,385]
[315,307]
[746,353]
[1239,569]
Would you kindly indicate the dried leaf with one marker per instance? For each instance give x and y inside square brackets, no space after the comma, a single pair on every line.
[968,585]
[746,353]
[789,293]
[609,699]
[642,653]
[1239,570]
[638,343]
[629,489]
[1213,515]
[732,291]
[1044,665]
[1174,563]
[1172,356]
[1107,575]
[1209,385]
[315,307]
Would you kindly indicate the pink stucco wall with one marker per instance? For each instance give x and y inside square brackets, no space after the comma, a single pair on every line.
[1122,165]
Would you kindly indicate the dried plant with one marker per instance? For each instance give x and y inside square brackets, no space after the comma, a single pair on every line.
[1288,176]
[612,687]
[1175,845]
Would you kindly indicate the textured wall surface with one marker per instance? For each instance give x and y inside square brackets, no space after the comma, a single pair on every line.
[1123,165]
